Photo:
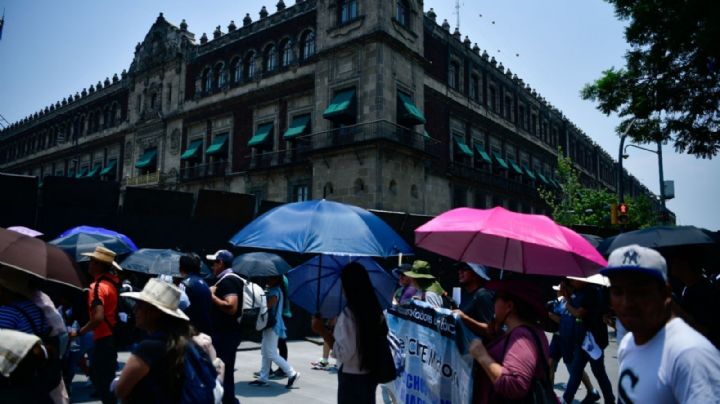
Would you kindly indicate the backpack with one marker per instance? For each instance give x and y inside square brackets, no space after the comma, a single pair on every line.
[124,332]
[254,314]
[200,376]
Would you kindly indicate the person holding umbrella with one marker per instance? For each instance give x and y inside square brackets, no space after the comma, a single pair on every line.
[476,302]
[511,363]
[355,336]
[198,292]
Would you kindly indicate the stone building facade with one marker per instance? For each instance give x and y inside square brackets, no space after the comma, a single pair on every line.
[366,102]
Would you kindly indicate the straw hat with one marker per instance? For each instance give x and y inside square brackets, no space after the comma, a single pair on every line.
[14,346]
[164,296]
[16,281]
[104,255]
[420,269]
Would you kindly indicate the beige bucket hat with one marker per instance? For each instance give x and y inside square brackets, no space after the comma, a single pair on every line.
[164,296]
[104,255]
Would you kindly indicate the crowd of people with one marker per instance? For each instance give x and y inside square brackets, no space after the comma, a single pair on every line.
[188,325]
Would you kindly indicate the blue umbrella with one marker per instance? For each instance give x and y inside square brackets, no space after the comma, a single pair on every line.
[99,230]
[77,244]
[303,284]
[322,227]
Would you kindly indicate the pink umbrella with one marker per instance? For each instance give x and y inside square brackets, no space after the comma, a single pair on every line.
[25,230]
[518,242]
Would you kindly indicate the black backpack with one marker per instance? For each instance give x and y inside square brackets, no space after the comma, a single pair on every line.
[124,332]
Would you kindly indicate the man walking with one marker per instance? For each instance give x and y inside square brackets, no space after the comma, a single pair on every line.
[198,292]
[476,307]
[227,297]
[662,359]
[102,307]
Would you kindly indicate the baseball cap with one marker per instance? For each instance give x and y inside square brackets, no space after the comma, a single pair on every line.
[222,255]
[636,259]
[401,270]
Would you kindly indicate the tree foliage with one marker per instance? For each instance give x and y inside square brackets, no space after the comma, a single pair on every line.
[575,204]
[670,84]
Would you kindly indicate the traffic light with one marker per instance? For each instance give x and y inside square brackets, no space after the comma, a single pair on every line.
[622,213]
[613,214]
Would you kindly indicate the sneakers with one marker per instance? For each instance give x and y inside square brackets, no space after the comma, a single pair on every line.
[278,374]
[292,379]
[258,383]
[592,397]
[321,364]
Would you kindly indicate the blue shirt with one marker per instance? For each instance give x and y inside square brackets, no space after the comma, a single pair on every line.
[279,327]
[12,318]
[198,292]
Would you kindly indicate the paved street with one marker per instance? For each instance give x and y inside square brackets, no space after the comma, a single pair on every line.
[316,386]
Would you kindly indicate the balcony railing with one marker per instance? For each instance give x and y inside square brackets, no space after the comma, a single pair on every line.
[201,171]
[488,179]
[144,179]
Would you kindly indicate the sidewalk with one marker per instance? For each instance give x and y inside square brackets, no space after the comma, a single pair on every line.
[317,386]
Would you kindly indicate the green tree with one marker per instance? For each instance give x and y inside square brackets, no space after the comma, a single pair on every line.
[670,84]
[575,204]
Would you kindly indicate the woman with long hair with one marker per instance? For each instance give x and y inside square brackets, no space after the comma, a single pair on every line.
[511,363]
[154,372]
[355,336]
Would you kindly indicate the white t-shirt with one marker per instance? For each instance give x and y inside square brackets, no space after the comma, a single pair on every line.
[678,365]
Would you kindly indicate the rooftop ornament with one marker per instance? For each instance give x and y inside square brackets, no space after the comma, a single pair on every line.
[456,34]
[203,39]
[446,25]
[476,48]
[431,14]
[217,33]
[183,25]
[247,20]
[280,5]
[263,12]
[466,41]
[232,27]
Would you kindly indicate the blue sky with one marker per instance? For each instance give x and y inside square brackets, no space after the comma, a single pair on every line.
[51,49]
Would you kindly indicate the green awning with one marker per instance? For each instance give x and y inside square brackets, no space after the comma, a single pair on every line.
[460,143]
[483,154]
[408,112]
[95,171]
[426,134]
[500,161]
[529,172]
[108,168]
[555,182]
[193,151]
[218,145]
[341,105]
[147,159]
[542,178]
[83,171]
[261,136]
[515,166]
[298,126]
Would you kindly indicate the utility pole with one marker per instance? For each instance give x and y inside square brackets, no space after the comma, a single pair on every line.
[620,174]
[457,14]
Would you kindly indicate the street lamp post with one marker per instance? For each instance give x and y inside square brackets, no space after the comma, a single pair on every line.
[620,179]
[660,167]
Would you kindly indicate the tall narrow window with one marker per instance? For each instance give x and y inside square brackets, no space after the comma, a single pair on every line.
[271,58]
[453,75]
[474,87]
[207,80]
[402,12]
[493,99]
[307,44]
[286,53]
[219,73]
[522,119]
[249,66]
[236,70]
[508,108]
[347,11]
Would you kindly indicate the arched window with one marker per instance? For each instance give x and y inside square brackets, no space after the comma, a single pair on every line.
[307,45]
[249,66]
[402,12]
[207,80]
[286,53]
[219,73]
[236,70]
[271,58]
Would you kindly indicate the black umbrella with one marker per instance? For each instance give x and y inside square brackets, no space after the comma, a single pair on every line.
[661,237]
[153,261]
[259,265]
[592,239]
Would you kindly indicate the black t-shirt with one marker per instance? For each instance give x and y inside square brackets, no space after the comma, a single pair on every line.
[229,285]
[701,301]
[150,388]
[591,300]
[478,305]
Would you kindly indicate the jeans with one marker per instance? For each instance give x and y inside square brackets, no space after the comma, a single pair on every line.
[579,360]
[355,389]
[103,368]
[226,344]
[270,354]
